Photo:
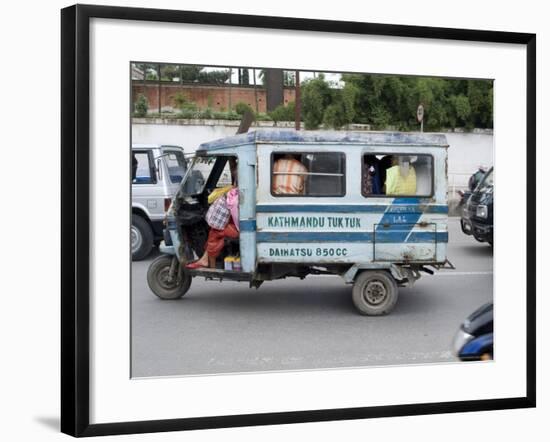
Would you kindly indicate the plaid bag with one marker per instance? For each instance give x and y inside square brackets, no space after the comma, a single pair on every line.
[218,214]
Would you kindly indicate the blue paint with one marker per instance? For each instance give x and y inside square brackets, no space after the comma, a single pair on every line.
[477,346]
[381,237]
[354,208]
[247,225]
[400,232]
[332,137]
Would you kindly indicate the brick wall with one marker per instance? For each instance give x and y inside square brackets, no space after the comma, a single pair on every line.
[201,95]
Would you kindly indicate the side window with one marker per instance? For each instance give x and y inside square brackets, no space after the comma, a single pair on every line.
[397,174]
[175,161]
[141,168]
[308,174]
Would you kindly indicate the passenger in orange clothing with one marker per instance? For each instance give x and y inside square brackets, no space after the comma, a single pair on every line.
[289,176]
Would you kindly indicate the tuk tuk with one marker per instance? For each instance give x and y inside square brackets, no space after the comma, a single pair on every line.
[369,207]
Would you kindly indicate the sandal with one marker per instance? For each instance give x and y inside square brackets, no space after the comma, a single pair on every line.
[195,265]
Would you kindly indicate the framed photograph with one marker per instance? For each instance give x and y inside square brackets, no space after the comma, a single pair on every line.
[271,220]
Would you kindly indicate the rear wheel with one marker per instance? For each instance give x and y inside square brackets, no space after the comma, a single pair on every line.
[167,279]
[141,237]
[374,293]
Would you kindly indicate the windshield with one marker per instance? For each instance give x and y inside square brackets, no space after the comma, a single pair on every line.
[175,162]
[200,170]
[487,181]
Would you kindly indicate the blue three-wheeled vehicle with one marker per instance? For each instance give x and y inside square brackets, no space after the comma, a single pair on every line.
[369,207]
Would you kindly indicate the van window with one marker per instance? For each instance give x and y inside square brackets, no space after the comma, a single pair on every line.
[143,167]
[397,175]
[308,174]
[175,161]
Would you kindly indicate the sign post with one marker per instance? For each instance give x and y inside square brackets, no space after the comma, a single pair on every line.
[420,116]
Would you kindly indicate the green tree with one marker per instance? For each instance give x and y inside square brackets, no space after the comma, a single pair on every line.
[284,113]
[141,106]
[316,96]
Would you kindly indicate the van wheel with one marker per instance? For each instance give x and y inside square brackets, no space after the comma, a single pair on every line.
[141,238]
[374,293]
[162,284]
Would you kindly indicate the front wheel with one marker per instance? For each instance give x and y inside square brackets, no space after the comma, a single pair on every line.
[374,293]
[141,238]
[167,279]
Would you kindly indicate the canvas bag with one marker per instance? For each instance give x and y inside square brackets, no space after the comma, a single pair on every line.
[218,214]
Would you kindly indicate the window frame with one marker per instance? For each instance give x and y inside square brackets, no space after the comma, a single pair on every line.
[271,163]
[168,151]
[152,168]
[432,180]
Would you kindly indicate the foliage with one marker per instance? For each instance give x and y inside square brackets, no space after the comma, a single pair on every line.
[316,96]
[341,111]
[263,117]
[141,106]
[214,77]
[383,101]
[289,78]
[169,72]
[183,103]
[331,107]
[241,108]
[284,113]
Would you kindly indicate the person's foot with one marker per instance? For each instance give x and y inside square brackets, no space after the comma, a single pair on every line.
[196,265]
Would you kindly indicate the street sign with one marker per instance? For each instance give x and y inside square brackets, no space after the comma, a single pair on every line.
[420,113]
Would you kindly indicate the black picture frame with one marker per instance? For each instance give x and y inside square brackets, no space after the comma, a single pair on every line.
[75,213]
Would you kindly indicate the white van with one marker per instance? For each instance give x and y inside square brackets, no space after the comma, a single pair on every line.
[157,171]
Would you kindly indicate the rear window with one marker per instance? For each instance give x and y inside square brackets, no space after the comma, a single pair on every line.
[176,164]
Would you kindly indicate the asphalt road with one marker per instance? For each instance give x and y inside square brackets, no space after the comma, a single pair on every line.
[297,324]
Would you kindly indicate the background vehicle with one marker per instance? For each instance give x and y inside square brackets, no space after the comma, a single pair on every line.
[477,215]
[473,182]
[474,339]
[375,241]
[157,171]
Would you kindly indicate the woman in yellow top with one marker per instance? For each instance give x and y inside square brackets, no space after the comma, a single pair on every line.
[401,178]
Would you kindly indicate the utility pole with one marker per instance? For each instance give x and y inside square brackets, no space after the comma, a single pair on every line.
[255,91]
[230,75]
[274,88]
[297,102]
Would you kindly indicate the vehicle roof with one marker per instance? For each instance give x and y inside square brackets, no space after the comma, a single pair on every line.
[154,146]
[290,136]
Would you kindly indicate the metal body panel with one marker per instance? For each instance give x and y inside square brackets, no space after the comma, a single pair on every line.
[352,228]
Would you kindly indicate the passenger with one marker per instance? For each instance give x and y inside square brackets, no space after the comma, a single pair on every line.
[371,176]
[383,165]
[223,219]
[401,177]
[289,176]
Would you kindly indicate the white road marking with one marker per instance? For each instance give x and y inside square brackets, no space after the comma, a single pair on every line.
[440,273]
[451,273]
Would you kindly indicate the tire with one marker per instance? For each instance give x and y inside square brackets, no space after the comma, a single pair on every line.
[374,293]
[159,282]
[141,238]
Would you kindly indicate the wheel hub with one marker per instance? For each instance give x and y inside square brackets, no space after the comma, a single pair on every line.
[375,292]
[165,280]
[135,238]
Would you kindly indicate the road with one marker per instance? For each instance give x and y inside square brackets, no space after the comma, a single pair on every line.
[297,324]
